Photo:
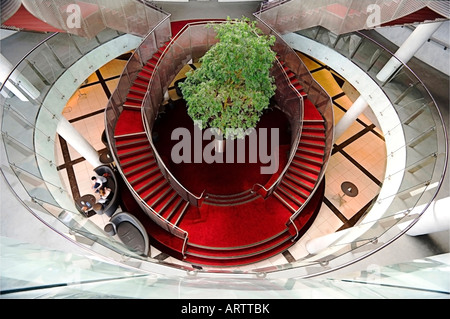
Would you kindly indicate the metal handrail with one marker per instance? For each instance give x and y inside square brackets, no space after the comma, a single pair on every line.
[148,129]
[147,125]
[25,56]
[268,191]
[114,149]
[329,138]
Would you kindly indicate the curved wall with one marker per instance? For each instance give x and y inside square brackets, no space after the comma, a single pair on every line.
[57,98]
[386,117]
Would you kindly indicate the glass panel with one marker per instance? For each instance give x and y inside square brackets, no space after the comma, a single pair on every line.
[348,44]
[17,127]
[84,45]
[65,49]
[106,35]
[147,48]
[35,84]
[46,63]
[366,54]
[21,156]
[35,186]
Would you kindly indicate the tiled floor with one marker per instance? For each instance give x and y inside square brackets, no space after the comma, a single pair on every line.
[358,155]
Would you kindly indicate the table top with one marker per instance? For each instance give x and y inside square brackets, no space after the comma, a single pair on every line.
[349,189]
[88,198]
[105,157]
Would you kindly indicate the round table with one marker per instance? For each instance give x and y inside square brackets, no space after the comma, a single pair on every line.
[106,158]
[349,189]
[88,201]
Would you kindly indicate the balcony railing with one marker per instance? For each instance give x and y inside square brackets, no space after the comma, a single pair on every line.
[426,147]
[315,93]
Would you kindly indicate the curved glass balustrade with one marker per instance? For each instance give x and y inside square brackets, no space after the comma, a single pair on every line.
[60,275]
[426,149]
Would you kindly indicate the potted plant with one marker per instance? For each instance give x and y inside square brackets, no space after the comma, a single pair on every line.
[230,90]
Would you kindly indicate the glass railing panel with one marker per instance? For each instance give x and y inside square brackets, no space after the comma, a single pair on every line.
[16,126]
[377,62]
[47,63]
[411,109]
[269,16]
[347,44]
[156,93]
[166,71]
[21,156]
[326,37]
[35,186]
[133,15]
[147,48]
[65,49]
[398,84]
[366,54]
[123,87]
[162,32]
[84,45]
[198,36]
[106,35]
[36,86]
[133,67]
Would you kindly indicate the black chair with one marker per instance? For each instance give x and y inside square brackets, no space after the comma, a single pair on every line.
[130,232]
[113,199]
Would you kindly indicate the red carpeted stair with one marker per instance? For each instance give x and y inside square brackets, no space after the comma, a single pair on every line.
[135,154]
[230,228]
[303,173]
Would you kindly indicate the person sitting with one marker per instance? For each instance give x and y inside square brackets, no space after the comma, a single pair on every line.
[98,182]
[105,194]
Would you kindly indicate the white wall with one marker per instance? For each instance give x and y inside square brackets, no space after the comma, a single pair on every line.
[431,52]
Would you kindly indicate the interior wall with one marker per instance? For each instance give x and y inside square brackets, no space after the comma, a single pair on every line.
[435,52]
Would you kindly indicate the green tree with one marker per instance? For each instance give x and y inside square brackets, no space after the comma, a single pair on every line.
[232,87]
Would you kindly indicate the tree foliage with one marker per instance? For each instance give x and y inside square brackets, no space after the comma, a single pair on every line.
[232,87]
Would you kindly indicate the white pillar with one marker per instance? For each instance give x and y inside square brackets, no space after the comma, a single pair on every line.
[78,142]
[5,68]
[350,116]
[407,50]
[436,218]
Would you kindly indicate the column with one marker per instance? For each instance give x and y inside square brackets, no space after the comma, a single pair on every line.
[5,68]
[407,50]
[350,116]
[78,142]
[436,218]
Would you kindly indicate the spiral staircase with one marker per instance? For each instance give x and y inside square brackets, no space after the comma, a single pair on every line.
[155,188]
[165,201]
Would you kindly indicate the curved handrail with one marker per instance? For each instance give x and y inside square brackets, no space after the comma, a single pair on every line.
[294,145]
[148,126]
[25,56]
[111,141]
[328,118]
[386,235]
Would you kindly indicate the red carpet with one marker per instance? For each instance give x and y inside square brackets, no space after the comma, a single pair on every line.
[224,231]
[218,178]
[235,226]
